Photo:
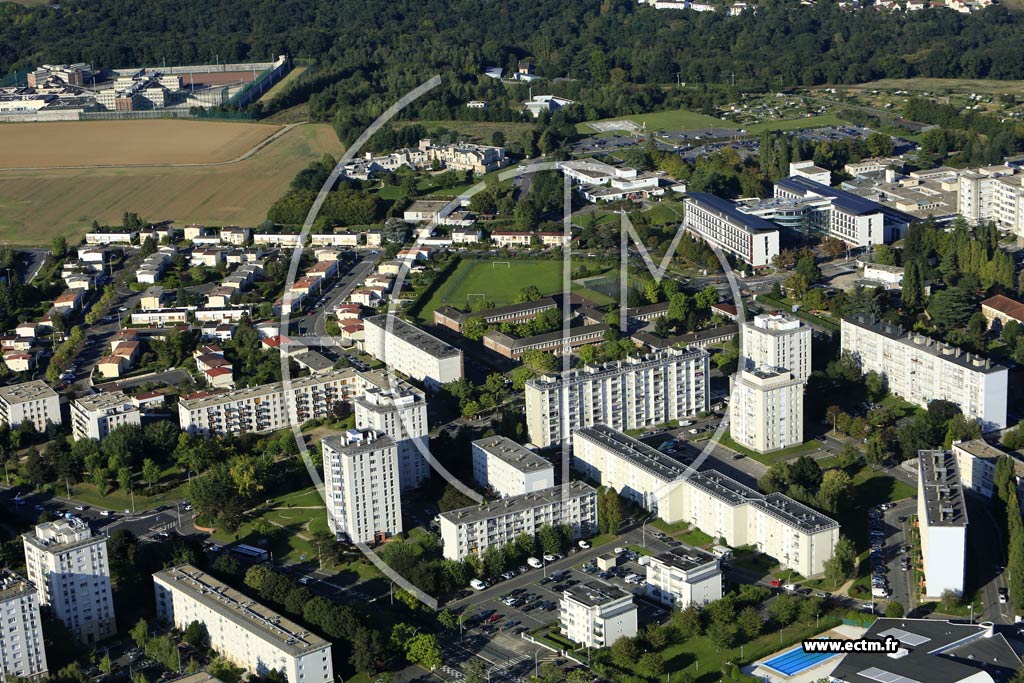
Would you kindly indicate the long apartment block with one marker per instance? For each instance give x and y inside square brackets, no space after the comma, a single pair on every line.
[33,402]
[942,519]
[921,370]
[407,349]
[509,469]
[242,630]
[472,530]
[665,385]
[22,651]
[68,564]
[777,525]
[454,319]
[720,223]
[268,407]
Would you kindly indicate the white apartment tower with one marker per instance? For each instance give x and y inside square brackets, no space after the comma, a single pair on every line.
[68,565]
[921,370]
[361,480]
[242,630]
[509,469]
[666,385]
[942,518]
[401,413]
[684,576]
[95,416]
[778,342]
[406,348]
[22,653]
[766,410]
[471,530]
[33,402]
[596,614]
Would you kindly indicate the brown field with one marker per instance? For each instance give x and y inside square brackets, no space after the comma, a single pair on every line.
[219,77]
[126,143]
[36,206]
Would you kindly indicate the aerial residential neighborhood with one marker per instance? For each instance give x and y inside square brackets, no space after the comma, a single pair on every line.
[606,342]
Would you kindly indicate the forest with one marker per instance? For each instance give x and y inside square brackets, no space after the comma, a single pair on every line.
[615,56]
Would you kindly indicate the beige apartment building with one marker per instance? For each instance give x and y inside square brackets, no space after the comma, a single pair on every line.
[68,564]
[919,369]
[95,416]
[400,411]
[242,630]
[268,407]
[766,410]
[665,385]
[361,485]
[33,402]
[596,614]
[684,576]
[472,530]
[777,341]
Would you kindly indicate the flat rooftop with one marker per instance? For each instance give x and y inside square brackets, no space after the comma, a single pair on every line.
[110,400]
[355,441]
[62,535]
[730,211]
[686,559]
[660,357]
[513,454]
[778,505]
[596,593]
[242,610]
[512,309]
[932,651]
[14,585]
[935,348]
[979,448]
[636,452]
[943,495]
[516,504]
[413,335]
[35,390]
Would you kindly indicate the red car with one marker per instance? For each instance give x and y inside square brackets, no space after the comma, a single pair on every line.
[495,617]
[776,583]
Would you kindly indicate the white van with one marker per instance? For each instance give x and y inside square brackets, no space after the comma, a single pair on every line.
[534,562]
[477,584]
[880,592]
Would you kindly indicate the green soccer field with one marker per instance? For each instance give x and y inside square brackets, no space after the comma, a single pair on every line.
[499,281]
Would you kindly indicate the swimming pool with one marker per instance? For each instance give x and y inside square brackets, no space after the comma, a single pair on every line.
[796,660]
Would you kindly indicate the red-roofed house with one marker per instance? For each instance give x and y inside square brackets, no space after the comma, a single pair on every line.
[110,367]
[69,300]
[220,378]
[999,310]
[149,400]
[19,362]
[128,350]
[727,310]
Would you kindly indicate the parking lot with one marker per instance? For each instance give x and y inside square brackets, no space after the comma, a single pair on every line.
[891,568]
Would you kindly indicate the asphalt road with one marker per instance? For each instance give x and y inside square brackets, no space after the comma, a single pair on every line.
[315,324]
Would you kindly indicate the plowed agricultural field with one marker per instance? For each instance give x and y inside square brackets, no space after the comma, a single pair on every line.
[38,205]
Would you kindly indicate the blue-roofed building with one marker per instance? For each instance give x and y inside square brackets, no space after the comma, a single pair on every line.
[837,213]
[721,223]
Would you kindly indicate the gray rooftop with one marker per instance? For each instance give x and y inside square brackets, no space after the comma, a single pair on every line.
[520,503]
[355,441]
[935,652]
[619,367]
[35,390]
[515,455]
[411,334]
[14,585]
[943,495]
[314,360]
[111,400]
[636,452]
[512,309]
[939,349]
[241,609]
[595,593]
[980,448]
[685,558]
[62,535]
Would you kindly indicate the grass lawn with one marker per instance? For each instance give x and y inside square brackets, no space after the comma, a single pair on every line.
[665,212]
[795,124]
[474,131]
[499,283]
[117,499]
[770,459]
[675,119]
[279,87]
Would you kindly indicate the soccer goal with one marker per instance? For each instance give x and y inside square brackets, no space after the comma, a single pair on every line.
[507,264]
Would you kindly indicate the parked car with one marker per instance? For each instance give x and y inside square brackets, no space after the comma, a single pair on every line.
[550,557]
[1004,596]
[534,562]
[583,544]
